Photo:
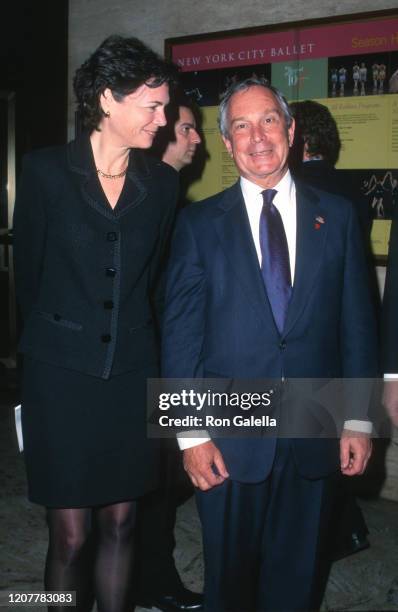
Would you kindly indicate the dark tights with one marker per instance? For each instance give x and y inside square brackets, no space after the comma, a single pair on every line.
[69,567]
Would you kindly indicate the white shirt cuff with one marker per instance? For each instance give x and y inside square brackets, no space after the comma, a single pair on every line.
[390,376]
[188,439]
[360,426]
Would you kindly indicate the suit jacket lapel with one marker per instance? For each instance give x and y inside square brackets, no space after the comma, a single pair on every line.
[233,229]
[311,237]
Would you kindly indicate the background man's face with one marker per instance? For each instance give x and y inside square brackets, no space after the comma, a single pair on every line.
[258,138]
[180,153]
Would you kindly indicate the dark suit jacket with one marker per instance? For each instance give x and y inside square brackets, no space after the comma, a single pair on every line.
[218,321]
[86,274]
[390,305]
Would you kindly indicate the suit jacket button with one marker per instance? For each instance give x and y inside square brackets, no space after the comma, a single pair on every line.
[110,272]
[57,317]
[111,236]
[282,345]
[108,304]
[105,338]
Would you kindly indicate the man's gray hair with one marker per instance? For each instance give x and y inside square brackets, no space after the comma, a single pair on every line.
[244,86]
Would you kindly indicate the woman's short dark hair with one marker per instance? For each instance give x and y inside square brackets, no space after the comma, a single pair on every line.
[122,65]
[316,127]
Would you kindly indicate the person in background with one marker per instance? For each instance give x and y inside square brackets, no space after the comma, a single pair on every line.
[176,143]
[315,152]
[156,577]
[313,157]
[389,325]
[92,221]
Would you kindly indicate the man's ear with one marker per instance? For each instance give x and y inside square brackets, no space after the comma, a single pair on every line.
[228,145]
[290,133]
[306,155]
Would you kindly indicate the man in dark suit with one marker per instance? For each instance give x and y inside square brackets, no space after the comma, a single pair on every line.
[267,280]
[390,326]
[158,583]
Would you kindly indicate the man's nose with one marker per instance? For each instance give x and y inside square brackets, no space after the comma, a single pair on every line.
[195,138]
[257,133]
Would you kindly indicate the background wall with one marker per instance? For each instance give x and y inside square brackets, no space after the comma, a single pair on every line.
[90,21]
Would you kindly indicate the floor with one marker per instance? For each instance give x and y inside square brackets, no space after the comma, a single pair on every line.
[365,581]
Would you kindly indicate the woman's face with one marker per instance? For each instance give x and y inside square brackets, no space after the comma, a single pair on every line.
[134,121]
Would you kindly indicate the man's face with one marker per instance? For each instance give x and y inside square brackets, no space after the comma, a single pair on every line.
[180,153]
[258,137]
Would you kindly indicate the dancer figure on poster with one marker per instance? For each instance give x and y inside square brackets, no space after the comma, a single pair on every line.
[356,77]
[334,79]
[342,79]
[382,77]
[375,76]
[363,74]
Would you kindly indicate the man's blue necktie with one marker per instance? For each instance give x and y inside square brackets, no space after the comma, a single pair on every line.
[275,267]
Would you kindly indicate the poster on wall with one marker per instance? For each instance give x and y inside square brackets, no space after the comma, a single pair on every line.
[349,64]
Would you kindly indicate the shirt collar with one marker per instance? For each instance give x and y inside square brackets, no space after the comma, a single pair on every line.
[285,189]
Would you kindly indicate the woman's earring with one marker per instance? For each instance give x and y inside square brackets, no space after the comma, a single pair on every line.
[107,113]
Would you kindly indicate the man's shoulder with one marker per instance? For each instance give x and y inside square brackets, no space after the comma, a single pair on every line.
[213,205]
[334,204]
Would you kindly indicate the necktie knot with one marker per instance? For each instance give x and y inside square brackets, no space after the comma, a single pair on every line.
[268,196]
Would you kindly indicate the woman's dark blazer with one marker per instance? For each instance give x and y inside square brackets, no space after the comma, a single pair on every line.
[86,275]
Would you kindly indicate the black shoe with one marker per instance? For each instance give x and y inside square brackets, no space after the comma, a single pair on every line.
[356,543]
[181,600]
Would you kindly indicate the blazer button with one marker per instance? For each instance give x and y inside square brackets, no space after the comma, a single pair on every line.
[105,338]
[111,236]
[282,345]
[108,304]
[57,317]
[110,272]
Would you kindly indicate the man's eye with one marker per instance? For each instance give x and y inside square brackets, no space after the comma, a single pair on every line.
[241,126]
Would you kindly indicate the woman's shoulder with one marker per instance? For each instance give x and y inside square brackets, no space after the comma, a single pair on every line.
[45,160]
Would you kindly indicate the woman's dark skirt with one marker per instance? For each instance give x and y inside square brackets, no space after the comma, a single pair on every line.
[85,440]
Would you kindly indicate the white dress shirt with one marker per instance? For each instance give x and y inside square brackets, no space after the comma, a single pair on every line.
[285,202]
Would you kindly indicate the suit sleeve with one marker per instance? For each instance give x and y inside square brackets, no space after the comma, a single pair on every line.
[30,228]
[358,335]
[185,308]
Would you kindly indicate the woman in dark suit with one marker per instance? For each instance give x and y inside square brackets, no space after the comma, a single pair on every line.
[91,222]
